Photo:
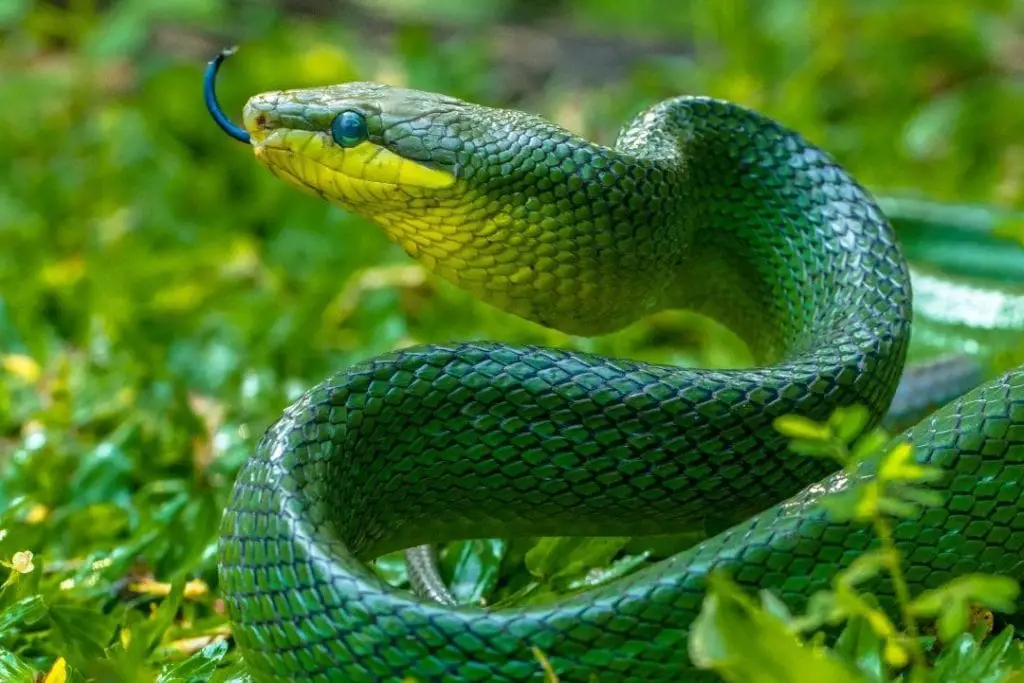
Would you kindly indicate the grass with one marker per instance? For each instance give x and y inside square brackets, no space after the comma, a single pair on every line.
[162,298]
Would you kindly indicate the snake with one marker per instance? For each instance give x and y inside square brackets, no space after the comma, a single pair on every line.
[700,204]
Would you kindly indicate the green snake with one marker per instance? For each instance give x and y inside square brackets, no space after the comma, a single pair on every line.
[701,204]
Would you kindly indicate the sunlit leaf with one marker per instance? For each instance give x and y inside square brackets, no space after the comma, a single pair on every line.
[898,465]
[822,608]
[869,447]
[26,611]
[198,667]
[856,503]
[599,575]
[861,645]
[847,422]
[774,606]
[893,507]
[82,629]
[799,427]
[14,669]
[952,620]
[895,654]
[23,367]
[819,449]
[921,496]
[964,660]
[998,593]
[865,567]
[12,11]
[741,642]
[565,559]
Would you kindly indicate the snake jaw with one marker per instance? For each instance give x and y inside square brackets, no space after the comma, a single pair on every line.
[366,178]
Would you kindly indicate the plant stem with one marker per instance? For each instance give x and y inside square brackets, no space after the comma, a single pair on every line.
[899,582]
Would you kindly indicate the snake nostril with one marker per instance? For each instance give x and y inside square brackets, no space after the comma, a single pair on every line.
[261,121]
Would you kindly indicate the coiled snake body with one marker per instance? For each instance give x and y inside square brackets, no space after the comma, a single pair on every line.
[701,204]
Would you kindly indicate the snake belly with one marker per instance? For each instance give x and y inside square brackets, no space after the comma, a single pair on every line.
[700,204]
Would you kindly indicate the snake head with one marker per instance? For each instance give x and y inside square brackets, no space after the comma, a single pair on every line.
[373,149]
[512,208]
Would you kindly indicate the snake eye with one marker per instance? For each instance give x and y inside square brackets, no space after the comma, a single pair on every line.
[348,128]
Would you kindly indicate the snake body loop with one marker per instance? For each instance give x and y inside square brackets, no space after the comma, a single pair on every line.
[700,204]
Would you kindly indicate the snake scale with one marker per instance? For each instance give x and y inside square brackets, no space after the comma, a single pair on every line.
[700,204]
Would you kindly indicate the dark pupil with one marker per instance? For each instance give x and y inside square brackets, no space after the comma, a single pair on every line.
[348,128]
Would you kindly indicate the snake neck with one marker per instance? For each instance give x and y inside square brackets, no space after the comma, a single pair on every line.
[682,212]
[550,227]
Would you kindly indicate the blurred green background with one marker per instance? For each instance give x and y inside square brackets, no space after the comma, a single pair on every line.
[162,297]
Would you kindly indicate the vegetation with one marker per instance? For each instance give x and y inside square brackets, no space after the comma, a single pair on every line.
[753,642]
[162,298]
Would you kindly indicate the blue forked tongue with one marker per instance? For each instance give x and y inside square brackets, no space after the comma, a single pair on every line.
[210,95]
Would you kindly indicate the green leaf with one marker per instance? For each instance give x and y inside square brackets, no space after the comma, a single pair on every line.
[860,644]
[743,643]
[13,669]
[847,422]
[998,593]
[894,507]
[126,658]
[81,629]
[12,11]
[869,447]
[927,131]
[474,567]
[956,657]
[198,668]
[849,504]
[920,496]
[822,608]
[1000,655]
[163,617]
[563,559]
[865,567]
[391,568]
[965,661]
[235,673]
[598,576]
[899,465]
[773,605]
[952,601]
[799,427]
[26,611]
[952,620]
[815,449]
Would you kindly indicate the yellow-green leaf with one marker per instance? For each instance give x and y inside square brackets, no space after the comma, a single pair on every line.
[798,427]
[848,421]
[741,642]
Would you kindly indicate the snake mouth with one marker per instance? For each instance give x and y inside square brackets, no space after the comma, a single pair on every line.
[364,174]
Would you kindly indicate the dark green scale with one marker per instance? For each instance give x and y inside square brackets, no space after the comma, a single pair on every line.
[701,204]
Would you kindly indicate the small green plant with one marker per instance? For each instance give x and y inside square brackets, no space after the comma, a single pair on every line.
[743,639]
